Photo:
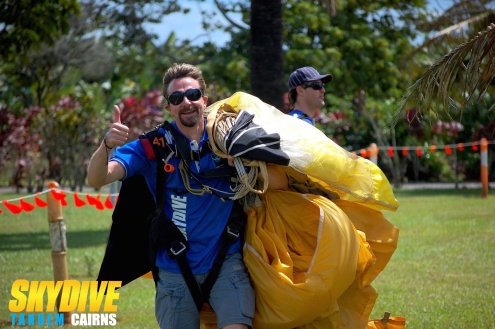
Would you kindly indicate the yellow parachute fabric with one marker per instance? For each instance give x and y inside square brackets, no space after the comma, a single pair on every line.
[311,152]
[304,256]
[314,250]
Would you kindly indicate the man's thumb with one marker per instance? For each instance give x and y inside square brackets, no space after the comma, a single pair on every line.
[116,114]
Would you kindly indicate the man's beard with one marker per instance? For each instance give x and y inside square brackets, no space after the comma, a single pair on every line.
[190,120]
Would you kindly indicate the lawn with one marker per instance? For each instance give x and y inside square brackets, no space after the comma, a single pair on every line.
[441,276]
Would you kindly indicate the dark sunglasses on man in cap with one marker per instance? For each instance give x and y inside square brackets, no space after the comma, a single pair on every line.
[177,97]
[315,85]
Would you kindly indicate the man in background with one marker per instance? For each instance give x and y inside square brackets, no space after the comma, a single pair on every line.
[307,93]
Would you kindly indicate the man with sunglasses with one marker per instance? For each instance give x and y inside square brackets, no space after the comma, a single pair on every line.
[201,218]
[307,93]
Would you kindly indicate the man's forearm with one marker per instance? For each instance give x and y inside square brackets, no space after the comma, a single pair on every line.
[98,170]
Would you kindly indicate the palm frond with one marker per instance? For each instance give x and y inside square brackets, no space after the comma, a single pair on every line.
[461,25]
[470,67]
[460,30]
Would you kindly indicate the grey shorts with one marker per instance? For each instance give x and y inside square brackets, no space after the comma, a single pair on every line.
[232,297]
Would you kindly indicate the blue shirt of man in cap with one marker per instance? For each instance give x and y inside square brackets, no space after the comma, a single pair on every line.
[307,93]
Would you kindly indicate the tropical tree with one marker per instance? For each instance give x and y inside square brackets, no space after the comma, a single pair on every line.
[361,44]
[458,87]
[26,27]
[87,66]
[266,51]
[91,50]
[29,24]
[459,79]
[253,60]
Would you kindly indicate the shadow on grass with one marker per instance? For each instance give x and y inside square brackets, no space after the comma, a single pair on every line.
[41,240]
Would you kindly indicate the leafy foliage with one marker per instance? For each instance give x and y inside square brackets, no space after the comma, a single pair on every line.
[28,24]
[19,147]
[71,130]
[370,47]
[360,45]
[142,114]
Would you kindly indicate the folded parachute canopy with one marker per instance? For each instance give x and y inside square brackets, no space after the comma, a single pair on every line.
[351,177]
[314,250]
[249,140]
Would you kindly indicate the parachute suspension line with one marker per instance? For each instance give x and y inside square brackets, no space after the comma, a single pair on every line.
[247,170]
[249,179]
[205,188]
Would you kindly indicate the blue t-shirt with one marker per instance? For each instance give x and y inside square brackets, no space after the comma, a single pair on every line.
[301,115]
[201,219]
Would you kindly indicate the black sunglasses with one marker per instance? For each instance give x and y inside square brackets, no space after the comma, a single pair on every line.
[177,97]
[314,85]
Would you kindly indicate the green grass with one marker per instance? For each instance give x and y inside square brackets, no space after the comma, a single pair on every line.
[441,276]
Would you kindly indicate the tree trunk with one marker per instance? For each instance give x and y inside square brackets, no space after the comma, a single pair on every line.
[267,80]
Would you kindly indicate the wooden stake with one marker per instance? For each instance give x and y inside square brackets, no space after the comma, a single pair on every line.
[58,241]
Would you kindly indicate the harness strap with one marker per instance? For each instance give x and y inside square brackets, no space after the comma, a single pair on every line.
[163,229]
[147,139]
[185,155]
[192,284]
[168,233]
[231,233]
[154,227]
[177,250]
[197,155]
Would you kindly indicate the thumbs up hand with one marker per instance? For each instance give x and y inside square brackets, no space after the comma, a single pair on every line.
[118,133]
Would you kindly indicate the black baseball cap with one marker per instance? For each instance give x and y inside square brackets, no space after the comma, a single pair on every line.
[305,74]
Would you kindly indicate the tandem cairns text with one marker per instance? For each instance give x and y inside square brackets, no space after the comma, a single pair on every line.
[50,303]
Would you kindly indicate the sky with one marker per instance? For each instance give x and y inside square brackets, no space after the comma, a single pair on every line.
[188,26]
